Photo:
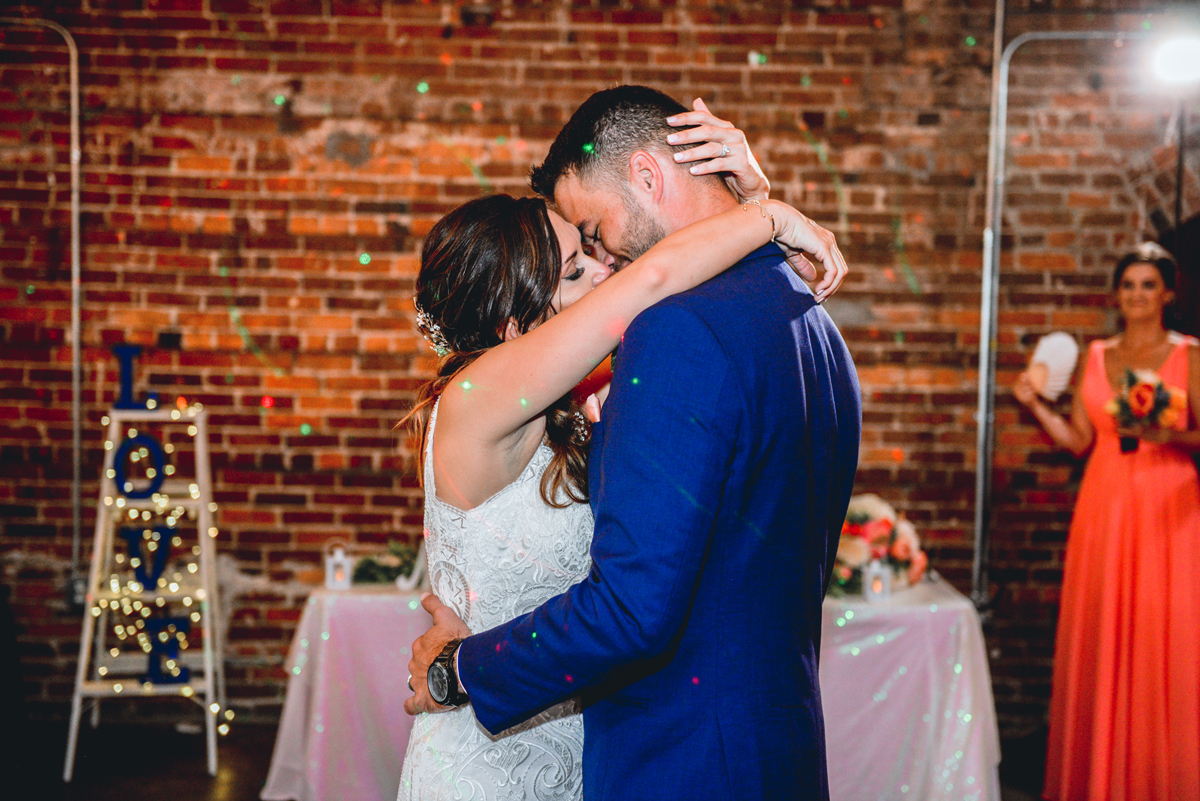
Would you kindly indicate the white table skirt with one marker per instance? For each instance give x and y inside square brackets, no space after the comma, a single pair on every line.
[907,697]
[905,687]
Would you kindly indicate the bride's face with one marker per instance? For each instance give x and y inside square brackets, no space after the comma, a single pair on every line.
[580,272]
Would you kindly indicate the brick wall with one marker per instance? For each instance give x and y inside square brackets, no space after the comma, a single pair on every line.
[258,176]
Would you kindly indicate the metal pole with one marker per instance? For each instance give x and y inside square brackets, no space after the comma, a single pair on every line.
[76,297]
[983,440]
[1179,170]
[989,300]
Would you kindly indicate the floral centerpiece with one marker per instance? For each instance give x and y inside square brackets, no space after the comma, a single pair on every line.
[1145,402]
[873,531]
[398,562]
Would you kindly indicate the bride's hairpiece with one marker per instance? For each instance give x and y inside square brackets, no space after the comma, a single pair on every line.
[432,331]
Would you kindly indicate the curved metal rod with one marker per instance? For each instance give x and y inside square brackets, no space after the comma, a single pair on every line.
[76,292]
[989,300]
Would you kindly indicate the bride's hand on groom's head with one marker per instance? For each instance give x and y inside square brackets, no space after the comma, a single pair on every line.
[447,626]
[726,150]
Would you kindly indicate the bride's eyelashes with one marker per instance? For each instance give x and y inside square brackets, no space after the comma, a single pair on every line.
[575,276]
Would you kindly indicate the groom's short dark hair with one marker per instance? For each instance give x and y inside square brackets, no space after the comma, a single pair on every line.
[603,132]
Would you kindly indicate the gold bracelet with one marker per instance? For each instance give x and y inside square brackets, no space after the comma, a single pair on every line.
[746,204]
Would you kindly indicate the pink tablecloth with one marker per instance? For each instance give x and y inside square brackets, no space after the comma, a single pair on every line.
[344,731]
[905,687]
[907,696]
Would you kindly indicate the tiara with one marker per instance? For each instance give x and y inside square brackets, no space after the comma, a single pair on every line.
[431,331]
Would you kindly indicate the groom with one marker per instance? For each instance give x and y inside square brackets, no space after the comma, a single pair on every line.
[720,474]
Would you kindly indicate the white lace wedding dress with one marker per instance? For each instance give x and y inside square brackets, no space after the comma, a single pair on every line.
[490,564]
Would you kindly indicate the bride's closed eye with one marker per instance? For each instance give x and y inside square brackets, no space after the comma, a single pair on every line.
[575,275]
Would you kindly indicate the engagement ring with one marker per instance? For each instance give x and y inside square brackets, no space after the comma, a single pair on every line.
[724,151]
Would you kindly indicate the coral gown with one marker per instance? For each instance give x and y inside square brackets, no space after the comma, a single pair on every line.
[1125,706]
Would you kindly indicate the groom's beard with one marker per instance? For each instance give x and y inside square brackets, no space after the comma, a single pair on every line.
[643,232]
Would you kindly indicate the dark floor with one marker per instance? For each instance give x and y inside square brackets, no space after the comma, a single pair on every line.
[122,762]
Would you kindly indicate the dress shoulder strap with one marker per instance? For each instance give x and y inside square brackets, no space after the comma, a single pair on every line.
[1177,339]
[430,487]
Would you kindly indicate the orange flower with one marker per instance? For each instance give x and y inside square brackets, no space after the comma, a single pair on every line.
[1178,399]
[1168,417]
[1141,399]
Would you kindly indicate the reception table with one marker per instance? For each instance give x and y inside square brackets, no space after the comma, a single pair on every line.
[905,687]
[908,698]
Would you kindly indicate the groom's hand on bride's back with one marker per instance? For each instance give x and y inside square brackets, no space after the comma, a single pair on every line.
[447,626]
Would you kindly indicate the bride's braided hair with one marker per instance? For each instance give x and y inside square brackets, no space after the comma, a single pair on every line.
[489,261]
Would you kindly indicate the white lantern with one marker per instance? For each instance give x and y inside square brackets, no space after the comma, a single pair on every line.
[338,569]
[877,581]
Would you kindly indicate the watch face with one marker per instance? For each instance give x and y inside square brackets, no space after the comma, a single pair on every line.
[439,687]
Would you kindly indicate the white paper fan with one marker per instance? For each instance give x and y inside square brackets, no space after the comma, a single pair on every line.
[1053,364]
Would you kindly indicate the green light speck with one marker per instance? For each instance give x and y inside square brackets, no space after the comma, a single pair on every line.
[589,148]
[524,403]
[971,40]
[280,100]
[235,80]
[806,80]
[30,289]
[423,87]
[305,429]
[466,385]
[364,259]
[635,381]
[762,58]
[1147,25]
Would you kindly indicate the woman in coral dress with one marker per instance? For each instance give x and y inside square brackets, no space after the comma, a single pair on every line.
[1125,705]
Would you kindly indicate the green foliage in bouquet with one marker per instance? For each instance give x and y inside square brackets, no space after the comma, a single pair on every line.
[399,560]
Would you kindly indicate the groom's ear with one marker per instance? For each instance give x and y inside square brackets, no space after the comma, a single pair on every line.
[646,175]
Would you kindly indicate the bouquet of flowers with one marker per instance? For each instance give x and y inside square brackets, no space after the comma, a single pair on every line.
[873,531]
[399,560]
[1145,402]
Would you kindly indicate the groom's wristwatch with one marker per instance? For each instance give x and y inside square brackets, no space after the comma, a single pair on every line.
[443,677]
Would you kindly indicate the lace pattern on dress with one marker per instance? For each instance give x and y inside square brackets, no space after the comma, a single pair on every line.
[490,564]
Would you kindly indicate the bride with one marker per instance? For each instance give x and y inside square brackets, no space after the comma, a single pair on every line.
[507,289]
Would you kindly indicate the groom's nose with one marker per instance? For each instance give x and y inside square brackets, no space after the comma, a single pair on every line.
[603,256]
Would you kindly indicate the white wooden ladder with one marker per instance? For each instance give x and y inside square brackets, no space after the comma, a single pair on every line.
[153,577]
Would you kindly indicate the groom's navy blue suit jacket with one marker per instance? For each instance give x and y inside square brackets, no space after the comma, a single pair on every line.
[720,476]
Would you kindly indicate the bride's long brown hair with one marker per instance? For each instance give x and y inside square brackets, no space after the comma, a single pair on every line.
[489,261]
